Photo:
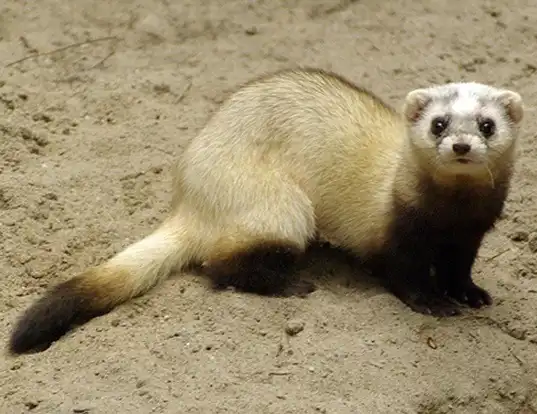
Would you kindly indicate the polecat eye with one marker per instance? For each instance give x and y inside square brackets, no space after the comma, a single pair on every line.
[487,127]
[439,125]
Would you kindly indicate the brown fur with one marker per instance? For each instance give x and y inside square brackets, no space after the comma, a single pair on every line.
[73,302]
[440,226]
[262,267]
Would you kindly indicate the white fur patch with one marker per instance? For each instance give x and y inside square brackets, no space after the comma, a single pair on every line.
[465,104]
[468,95]
[477,153]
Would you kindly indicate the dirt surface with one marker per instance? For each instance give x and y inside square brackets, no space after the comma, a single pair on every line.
[87,135]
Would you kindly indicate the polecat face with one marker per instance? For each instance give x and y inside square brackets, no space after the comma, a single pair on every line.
[463,128]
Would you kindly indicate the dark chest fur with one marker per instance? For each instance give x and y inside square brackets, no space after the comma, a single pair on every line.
[438,229]
[440,212]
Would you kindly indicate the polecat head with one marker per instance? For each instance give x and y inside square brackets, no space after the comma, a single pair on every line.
[463,128]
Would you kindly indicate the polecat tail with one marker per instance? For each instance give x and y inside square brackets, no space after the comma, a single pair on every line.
[97,291]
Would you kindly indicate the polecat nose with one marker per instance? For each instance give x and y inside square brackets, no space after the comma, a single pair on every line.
[461,149]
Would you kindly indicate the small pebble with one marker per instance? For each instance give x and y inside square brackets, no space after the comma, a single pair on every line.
[16,366]
[154,26]
[517,333]
[251,31]
[26,133]
[294,327]
[519,236]
[31,404]
[9,104]
[51,196]
[42,117]
[532,243]
[162,88]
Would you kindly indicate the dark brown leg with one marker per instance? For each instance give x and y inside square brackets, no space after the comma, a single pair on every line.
[265,268]
[453,265]
[408,277]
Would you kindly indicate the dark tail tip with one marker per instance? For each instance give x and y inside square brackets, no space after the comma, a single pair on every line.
[51,317]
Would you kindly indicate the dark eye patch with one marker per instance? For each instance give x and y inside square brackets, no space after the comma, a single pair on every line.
[486,126]
[439,124]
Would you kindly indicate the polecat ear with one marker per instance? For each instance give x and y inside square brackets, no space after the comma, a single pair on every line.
[512,102]
[416,101]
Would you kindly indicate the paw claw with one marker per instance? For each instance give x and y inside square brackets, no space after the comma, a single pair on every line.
[471,295]
[433,305]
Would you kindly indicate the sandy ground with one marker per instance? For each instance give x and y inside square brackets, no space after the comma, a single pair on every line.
[87,135]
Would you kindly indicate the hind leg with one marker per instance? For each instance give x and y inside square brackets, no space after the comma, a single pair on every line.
[261,247]
[264,267]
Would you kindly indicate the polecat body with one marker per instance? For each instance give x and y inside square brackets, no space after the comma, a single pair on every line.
[302,153]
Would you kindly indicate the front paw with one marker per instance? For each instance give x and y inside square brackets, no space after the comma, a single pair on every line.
[426,301]
[470,294]
[433,305]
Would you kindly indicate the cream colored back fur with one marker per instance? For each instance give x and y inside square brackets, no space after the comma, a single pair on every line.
[282,159]
[292,155]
